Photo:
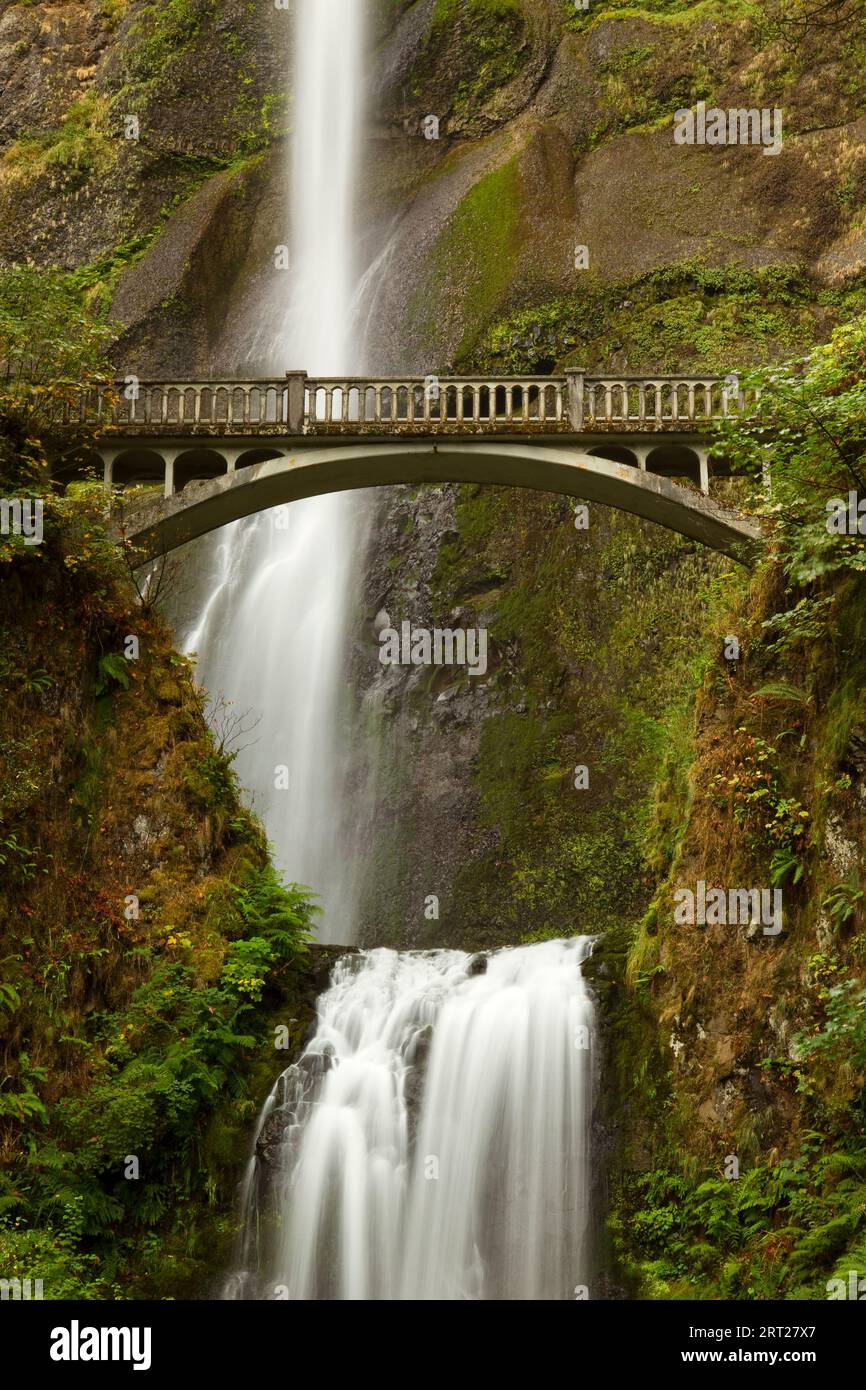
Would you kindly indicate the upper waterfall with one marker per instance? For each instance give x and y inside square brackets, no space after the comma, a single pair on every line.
[272,635]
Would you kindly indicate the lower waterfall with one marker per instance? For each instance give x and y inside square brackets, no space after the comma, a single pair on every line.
[433,1140]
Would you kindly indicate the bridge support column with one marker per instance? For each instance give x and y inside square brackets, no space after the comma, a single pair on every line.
[231,457]
[575,399]
[169,456]
[705,472]
[295,407]
[642,451]
[107,469]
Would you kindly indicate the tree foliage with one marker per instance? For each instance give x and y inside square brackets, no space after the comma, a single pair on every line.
[51,350]
[803,443]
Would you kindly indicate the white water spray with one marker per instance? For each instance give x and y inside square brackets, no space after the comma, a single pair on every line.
[433,1140]
[272,637]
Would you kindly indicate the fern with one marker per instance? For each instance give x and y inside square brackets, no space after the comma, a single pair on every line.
[112,668]
[10,999]
[782,694]
[784,864]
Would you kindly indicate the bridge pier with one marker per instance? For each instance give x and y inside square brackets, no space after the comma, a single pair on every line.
[168,457]
[705,471]
[231,456]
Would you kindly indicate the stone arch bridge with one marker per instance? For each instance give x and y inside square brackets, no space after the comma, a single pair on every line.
[203,453]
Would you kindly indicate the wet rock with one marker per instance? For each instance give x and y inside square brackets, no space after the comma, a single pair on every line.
[413,1087]
[270,1141]
[314,1065]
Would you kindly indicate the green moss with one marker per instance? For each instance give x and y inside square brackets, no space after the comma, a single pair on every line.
[685,316]
[81,147]
[667,12]
[472,47]
[162,31]
[481,239]
[113,11]
[448,12]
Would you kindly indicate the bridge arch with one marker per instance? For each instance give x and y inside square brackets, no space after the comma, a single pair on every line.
[157,527]
[675,460]
[616,453]
[198,465]
[257,455]
[138,464]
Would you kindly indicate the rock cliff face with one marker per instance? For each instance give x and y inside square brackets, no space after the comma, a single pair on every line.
[694,262]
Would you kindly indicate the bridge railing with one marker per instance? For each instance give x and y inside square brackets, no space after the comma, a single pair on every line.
[657,401]
[546,403]
[180,404]
[435,403]
[297,404]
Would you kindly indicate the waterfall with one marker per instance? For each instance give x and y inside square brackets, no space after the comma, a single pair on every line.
[433,1141]
[272,635]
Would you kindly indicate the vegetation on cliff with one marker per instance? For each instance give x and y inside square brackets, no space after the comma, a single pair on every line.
[148,949]
[762,1041]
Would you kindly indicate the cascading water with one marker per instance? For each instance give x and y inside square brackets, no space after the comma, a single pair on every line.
[272,636]
[433,1141]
